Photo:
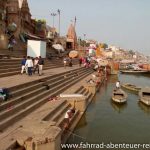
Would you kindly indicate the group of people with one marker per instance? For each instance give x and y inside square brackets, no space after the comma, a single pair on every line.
[67,61]
[86,61]
[30,65]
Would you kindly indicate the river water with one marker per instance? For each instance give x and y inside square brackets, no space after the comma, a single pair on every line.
[106,122]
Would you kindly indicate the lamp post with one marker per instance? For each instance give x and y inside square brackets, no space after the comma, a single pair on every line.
[53,15]
[79,42]
[84,44]
[59,21]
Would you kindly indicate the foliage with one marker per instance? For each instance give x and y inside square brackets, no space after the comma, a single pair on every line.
[103,45]
[40,25]
[83,43]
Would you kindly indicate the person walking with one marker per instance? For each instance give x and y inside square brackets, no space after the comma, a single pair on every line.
[80,61]
[65,62]
[40,64]
[29,65]
[36,60]
[23,67]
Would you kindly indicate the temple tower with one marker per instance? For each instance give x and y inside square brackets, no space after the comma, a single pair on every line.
[26,17]
[71,38]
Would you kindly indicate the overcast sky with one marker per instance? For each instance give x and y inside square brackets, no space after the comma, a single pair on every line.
[124,23]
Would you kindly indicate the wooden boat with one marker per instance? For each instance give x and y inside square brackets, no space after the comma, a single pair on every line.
[131,87]
[134,71]
[119,96]
[144,95]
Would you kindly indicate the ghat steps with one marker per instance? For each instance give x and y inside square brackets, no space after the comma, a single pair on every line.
[30,96]
[13,66]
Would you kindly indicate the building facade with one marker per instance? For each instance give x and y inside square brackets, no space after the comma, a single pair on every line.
[18,14]
[2,16]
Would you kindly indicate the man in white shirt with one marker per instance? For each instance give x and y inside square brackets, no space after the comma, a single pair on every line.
[29,65]
[118,84]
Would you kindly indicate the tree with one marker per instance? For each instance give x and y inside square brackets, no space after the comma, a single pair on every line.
[103,45]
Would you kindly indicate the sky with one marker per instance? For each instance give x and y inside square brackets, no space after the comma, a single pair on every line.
[123,23]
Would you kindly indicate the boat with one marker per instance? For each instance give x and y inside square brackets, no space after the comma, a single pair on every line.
[119,96]
[131,87]
[144,95]
[134,71]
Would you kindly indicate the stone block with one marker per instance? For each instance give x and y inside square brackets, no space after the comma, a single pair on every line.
[78,101]
[91,88]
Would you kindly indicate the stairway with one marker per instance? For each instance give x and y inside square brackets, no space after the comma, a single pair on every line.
[11,67]
[30,96]
[77,116]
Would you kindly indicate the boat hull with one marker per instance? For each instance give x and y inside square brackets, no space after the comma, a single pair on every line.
[144,95]
[134,72]
[131,87]
[119,101]
[119,96]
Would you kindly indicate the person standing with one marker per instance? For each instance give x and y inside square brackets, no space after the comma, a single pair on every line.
[105,72]
[36,60]
[70,62]
[29,65]
[80,61]
[118,84]
[40,64]
[23,62]
[65,62]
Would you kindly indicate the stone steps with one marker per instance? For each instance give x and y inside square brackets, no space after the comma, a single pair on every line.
[18,68]
[78,90]
[44,79]
[22,109]
[48,81]
[54,111]
[59,112]
[13,66]
[86,93]
[76,118]
[25,91]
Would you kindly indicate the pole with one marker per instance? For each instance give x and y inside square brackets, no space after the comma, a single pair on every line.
[53,21]
[59,22]
[53,15]
[84,45]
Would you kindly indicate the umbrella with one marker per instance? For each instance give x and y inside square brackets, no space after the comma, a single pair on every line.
[73,54]
[58,47]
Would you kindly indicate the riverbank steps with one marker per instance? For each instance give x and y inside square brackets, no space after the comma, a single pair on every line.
[35,121]
[12,66]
